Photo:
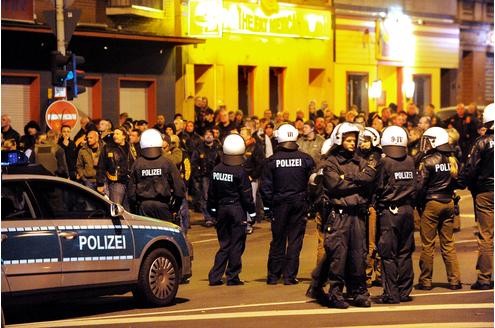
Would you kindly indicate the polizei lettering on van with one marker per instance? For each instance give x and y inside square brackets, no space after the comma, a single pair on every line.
[296,162]
[101,242]
[151,172]
[223,177]
[444,167]
[403,175]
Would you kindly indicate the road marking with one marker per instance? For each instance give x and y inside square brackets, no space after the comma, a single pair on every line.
[146,318]
[204,241]
[471,216]
[466,241]
[453,293]
[429,325]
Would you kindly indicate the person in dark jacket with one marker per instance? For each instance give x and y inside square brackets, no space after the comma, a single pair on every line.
[478,177]
[31,131]
[255,158]
[229,200]
[283,189]
[114,164]
[345,175]
[203,159]
[69,147]
[395,192]
[7,131]
[155,186]
[437,175]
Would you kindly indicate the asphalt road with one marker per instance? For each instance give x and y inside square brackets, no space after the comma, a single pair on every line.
[257,304]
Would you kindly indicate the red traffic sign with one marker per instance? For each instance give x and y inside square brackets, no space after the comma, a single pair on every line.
[61,112]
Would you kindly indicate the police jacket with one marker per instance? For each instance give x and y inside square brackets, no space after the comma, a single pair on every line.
[114,164]
[230,185]
[87,162]
[205,158]
[478,170]
[255,158]
[435,182]
[372,156]
[285,176]
[345,175]
[395,182]
[155,179]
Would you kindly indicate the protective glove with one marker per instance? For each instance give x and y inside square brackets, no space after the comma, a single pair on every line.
[268,213]
[175,203]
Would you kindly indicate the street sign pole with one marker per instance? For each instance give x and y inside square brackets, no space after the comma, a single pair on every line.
[59,11]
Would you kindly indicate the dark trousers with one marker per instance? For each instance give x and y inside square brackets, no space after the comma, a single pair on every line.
[155,209]
[288,228]
[483,211]
[231,233]
[396,245]
[346,249]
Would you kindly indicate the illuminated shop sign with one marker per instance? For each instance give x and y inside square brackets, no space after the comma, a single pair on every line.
[214,17]
[395,40]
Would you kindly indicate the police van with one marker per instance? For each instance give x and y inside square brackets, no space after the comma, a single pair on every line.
[61,238]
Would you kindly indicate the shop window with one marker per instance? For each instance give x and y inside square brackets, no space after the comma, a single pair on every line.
[422,90]
[277,89]
[245,83]
[357,90]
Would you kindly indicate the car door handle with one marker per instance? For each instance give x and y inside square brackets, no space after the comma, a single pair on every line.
[69,235]
[4,236]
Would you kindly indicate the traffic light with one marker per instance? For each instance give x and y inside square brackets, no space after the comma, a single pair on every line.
[75,77]
[58,64]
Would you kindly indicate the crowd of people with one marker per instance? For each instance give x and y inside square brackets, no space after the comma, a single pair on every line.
[361,177]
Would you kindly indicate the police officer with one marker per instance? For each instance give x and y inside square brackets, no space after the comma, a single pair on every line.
[345,176]
[437,175]
[369,149]
[155,185]
[395,192]
[229,199]
[284,192]
[478,175]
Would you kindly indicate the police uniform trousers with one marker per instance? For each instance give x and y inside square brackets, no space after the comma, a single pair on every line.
[320,235]
[483,210]
[373,266]
[346,250]
[396,246]
[155,209]
[288,228]
[438,218]
[231,233]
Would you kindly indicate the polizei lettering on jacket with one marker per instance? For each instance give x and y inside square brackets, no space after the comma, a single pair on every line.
[101,242]
[151,172]
[295,162]
[227,177]
[403,175]
[444,167]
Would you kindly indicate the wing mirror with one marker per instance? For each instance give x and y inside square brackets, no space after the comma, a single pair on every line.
[116,210]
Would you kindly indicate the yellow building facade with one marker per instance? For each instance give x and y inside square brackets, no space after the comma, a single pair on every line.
[262,55]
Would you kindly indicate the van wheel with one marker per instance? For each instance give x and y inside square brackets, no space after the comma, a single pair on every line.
[158,279]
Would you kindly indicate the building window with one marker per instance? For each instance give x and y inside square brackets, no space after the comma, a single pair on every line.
[422,90]
[489,10]
[357,90]
[153,4]
[245,84]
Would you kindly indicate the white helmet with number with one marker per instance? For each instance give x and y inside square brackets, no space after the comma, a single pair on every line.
[489,115]
[435,138]
[234,148]
[151,143]
[373,135]
[341,129]
[286,132]
[394,141]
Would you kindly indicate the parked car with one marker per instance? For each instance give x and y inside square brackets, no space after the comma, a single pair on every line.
[60,239]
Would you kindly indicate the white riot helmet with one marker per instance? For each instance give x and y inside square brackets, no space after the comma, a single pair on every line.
[327,144]
[341,129]
[373,135]
[489,115]
[286,135]
[394,141]
[151,143]
[435,138]
[234,148]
